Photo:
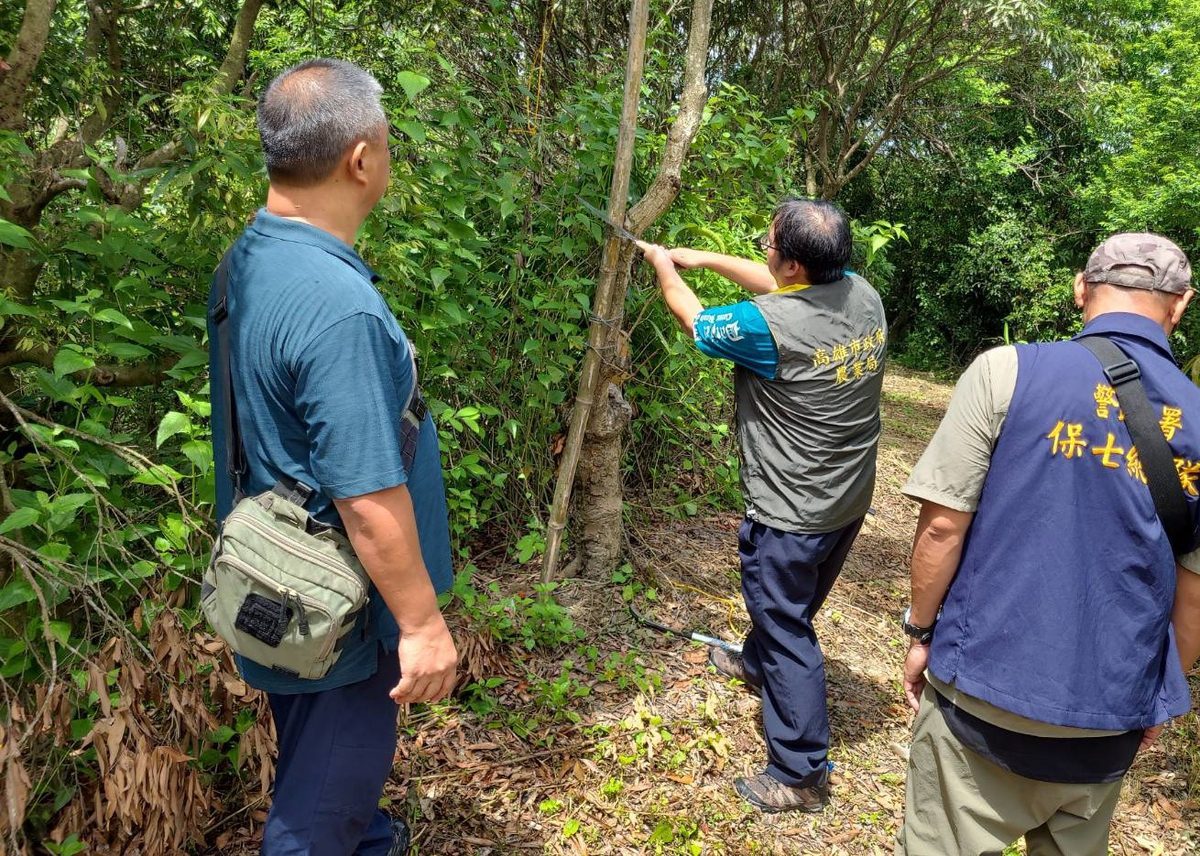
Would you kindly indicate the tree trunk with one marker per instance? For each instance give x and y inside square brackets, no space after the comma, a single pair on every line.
[601,497]
[600,464]
[614,274]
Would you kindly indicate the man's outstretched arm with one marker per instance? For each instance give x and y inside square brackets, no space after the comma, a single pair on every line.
[753,276]
[680,299]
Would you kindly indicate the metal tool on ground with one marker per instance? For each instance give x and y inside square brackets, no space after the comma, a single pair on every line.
[693,635]
[619,231]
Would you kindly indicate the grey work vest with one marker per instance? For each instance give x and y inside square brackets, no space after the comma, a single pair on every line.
[809,436]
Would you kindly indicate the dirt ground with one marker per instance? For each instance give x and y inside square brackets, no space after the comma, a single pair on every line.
[626,742]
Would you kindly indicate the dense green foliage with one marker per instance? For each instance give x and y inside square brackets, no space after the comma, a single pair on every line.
[132,164]
[1042,156]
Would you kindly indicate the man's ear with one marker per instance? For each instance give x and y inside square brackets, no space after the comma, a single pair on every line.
[1081,291]
[357,163]
[1180,306]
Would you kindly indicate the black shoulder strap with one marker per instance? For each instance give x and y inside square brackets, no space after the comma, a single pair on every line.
[1158,462]
[235,453]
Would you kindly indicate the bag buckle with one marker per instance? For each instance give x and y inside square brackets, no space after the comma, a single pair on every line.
[295,492]
[315,527]
[1123,373]
[418,408]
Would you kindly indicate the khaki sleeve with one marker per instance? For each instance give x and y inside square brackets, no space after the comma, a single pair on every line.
[1190,561]
[954,465]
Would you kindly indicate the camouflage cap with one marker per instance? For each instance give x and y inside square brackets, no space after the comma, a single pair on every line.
[1140,260]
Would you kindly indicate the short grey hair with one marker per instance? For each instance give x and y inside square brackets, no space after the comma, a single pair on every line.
[312,113]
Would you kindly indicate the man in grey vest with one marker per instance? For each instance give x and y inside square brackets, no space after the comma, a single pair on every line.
[808,353]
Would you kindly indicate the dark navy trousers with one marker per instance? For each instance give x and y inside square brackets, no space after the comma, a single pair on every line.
[335,753]
[785,578]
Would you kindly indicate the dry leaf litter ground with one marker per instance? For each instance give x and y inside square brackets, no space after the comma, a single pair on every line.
[629,743]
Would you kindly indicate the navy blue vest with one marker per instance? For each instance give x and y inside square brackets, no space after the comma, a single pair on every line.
[1060,610]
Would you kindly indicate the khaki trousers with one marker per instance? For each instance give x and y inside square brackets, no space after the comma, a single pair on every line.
[958,803]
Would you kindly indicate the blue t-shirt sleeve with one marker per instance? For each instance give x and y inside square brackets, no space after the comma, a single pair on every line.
[352,380]
[738,333]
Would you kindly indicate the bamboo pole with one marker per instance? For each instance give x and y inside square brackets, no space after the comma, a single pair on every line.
[593,360]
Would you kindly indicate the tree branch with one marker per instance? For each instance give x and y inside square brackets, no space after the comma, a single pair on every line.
[102,28]
[115,376]
[23,61]
[49,193]
[234,63]
[665,187]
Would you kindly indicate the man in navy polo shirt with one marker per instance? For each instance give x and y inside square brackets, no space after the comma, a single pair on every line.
[321,375]
[808,353]
[1054,619]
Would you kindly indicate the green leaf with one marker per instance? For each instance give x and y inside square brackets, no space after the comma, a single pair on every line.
[413,129]
[73,307]
[68,360]
[13,235]
[199,453]
[137,251]
[81,728]
[143,569]
[15,593]
[19,519]
[159,475]
[192,359]
[60,630]
[86,246]
[60,389]
[8,307]
[55,550]
[438,276]
[115,317]
[70,502]
[14,666]
[412,83]
[173,423]
[126,350]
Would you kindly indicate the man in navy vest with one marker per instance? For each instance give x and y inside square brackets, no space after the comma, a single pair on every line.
[808,353]
[1051,621]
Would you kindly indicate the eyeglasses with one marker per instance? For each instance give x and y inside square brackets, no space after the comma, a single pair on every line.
[764,242]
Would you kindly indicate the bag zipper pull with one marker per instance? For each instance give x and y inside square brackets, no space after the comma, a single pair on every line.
[283,612]
[302,617]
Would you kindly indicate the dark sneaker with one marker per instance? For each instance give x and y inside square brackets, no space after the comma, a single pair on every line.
[731,666]
[771,795]
[400,838]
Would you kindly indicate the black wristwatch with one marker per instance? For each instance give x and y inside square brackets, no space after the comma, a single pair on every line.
[921,634]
